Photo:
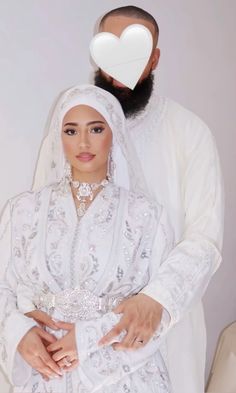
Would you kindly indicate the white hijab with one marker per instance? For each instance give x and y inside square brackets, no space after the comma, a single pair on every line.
[51,161]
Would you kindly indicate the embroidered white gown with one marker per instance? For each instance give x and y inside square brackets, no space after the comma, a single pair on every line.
[179,159]
[46,250]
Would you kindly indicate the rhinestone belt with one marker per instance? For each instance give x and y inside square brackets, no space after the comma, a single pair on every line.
[76,303]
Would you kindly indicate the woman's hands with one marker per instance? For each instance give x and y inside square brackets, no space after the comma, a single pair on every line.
[43,319]
[64,350]
[32,349]
[69,361]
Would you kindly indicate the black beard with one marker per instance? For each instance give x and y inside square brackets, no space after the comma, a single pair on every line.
[132,101]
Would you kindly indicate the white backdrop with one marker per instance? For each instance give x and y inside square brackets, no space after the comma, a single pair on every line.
[44,49]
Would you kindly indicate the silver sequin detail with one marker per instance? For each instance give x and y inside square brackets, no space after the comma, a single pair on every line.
[76,303]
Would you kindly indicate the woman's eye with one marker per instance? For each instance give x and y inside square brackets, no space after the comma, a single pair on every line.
[70,131]
[97,130]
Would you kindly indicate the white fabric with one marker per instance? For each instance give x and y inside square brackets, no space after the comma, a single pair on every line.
[181,167]
[107,252]
[13,324]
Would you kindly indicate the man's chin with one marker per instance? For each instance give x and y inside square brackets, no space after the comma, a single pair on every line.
[132,101]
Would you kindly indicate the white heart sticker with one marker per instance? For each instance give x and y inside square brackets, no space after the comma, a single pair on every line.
[123,58]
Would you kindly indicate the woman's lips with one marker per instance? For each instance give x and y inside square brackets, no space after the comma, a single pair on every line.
[85,157]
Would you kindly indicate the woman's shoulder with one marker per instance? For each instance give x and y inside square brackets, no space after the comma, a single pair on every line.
[29,199]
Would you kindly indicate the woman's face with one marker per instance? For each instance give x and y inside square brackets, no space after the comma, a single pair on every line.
[87,140]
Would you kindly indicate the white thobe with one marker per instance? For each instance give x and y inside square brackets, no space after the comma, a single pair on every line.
[181,167]
[77,271]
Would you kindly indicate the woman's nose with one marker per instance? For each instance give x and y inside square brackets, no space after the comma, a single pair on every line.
[84,140]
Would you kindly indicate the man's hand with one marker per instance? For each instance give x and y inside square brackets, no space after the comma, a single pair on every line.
[141,318]
[33,351]
[65,350]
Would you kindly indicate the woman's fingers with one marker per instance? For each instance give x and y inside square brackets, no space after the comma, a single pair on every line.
[34,352]
[73,366]
[46,336]
[55,346]
[65,325]
[45,370]
[43,319]
[68,366]
[67,342]
[64,363]
[59,355]
[50,363]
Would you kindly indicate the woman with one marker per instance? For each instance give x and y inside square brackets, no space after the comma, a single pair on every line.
[72,249]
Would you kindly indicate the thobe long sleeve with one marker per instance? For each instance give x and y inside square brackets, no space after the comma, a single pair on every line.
[184,276]
[104,366]
[101,366]
[13,324]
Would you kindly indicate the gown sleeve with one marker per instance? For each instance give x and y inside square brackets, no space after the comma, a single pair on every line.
[102,366]
[13,324]
[183,277]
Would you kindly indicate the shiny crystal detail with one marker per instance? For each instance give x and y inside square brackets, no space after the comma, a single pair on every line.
[76,303]
[81,209]
[85,192]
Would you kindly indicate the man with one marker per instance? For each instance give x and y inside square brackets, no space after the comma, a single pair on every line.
[180,163]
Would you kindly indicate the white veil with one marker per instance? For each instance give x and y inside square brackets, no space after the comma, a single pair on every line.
[51,161]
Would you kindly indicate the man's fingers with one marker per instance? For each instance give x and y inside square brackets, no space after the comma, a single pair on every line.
[120,308]
[127,341]
[114,332]
[137,344]
[136,337]
[145,336]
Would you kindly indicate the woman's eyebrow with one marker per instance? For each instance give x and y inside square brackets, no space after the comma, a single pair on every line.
[88,124]
[95,122]
[70,124]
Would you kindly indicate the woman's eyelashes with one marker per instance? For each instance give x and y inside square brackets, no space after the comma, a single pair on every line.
[70,131]
[93,130]
[97,130]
